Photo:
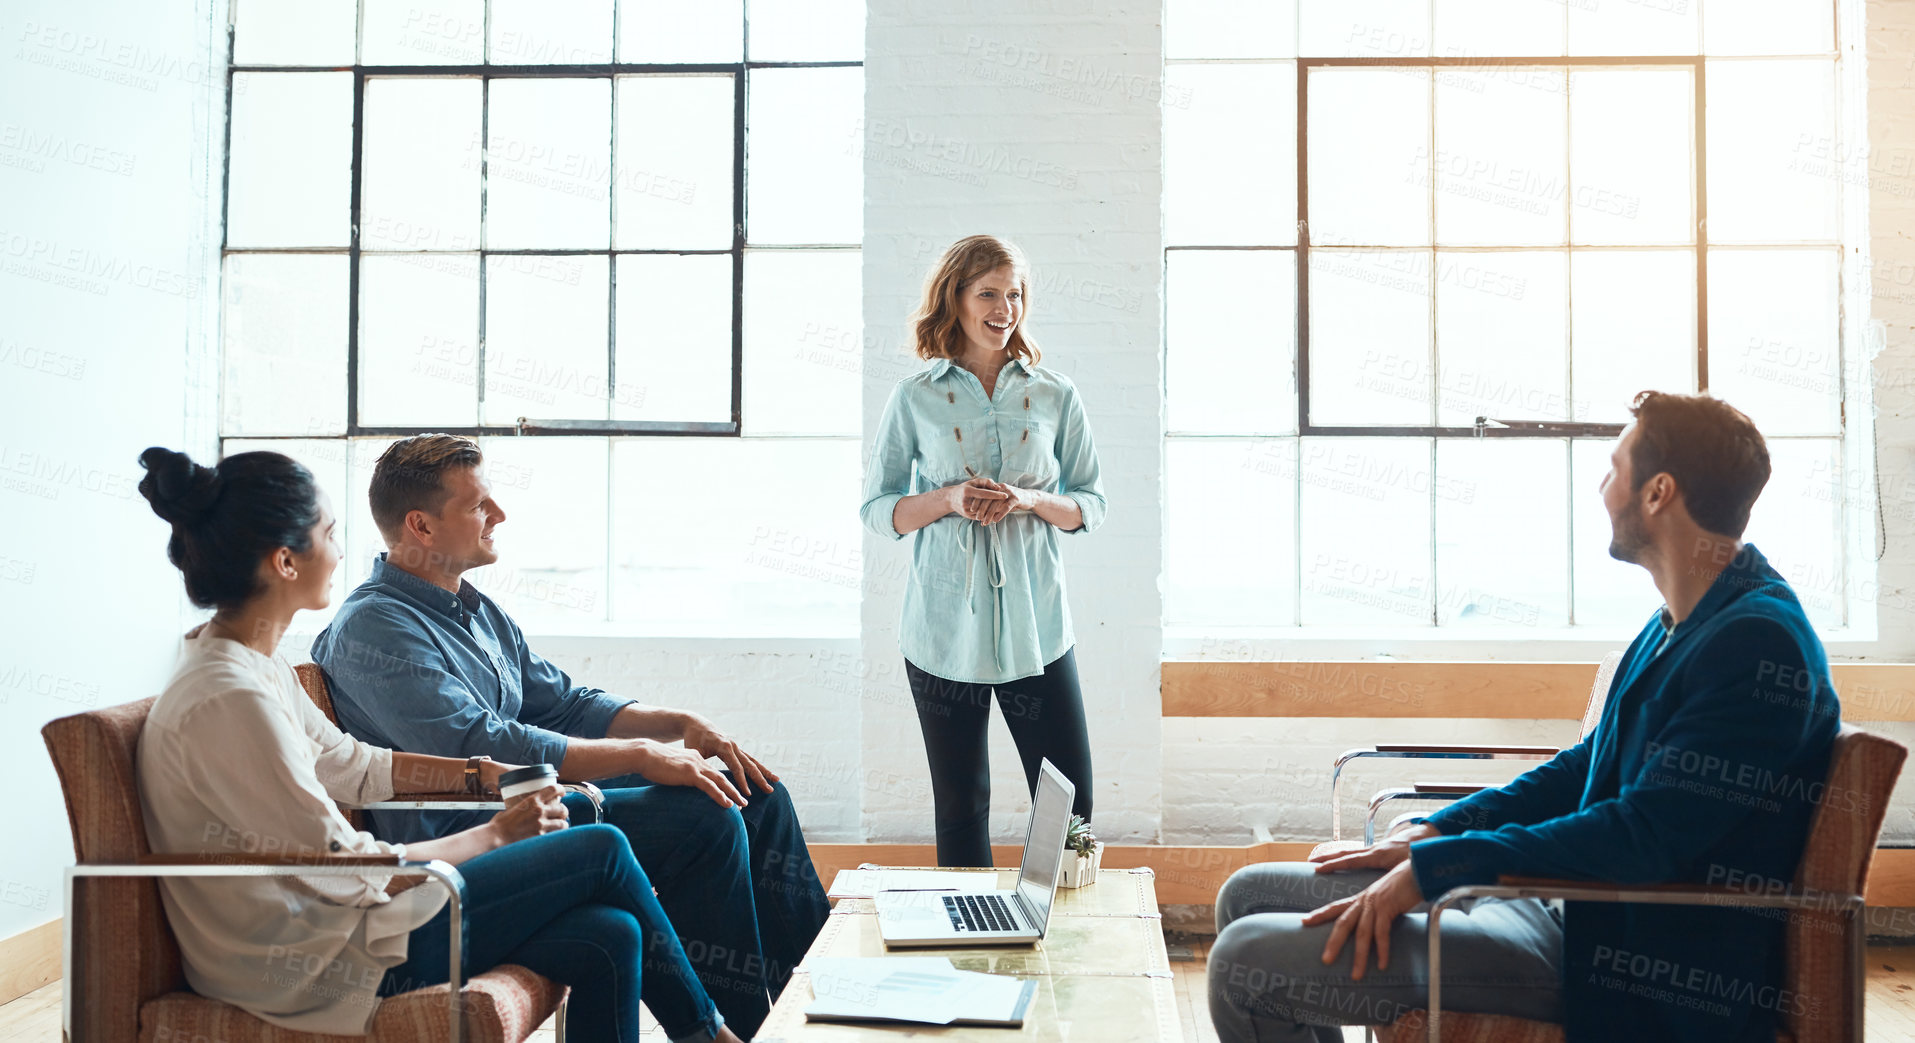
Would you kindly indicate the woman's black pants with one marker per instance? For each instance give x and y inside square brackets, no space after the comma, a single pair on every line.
[1046,717]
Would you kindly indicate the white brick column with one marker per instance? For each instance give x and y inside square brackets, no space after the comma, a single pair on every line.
[1038,122]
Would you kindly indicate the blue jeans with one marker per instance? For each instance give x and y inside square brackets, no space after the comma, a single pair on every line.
[738,884]
[575,907]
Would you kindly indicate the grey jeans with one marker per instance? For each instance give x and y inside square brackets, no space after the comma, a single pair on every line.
[1269,984]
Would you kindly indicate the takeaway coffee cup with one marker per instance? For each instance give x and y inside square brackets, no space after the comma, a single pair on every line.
[521,781]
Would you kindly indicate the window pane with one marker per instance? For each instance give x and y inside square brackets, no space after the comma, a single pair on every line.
[803,310]
[1369,157]
[1774,328]
[1515,28]
[805,182]
[1364,28]
[1249,578]
[1229,157]
[284,346]
[1774,175]
[1502,336]
[727,562]
[1502,546]
[550,32]
[1631,138]
[294,32]
[674,338]
[419,340]
[1609,593]
[364,543]
[1667,27]
[1230,29]
[551,567]
[806,30]
[289,170]
[420,167]
[1365,530]
[1768,26]
[423,32]
[1501,154]
[1633,328]
[1797,523]
[545,338]
[1370,337]
[673,31]
[674,162]
[548,159]
[326,459]
[1230,341]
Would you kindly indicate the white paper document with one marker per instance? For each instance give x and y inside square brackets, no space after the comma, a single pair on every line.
[867,882]
[922,989]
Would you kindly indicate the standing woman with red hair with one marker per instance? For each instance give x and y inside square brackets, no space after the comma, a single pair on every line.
[987,456]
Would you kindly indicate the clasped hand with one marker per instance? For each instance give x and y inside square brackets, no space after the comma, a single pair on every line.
[987,502]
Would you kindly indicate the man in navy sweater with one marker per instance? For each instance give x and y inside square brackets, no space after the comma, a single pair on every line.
[1705,769]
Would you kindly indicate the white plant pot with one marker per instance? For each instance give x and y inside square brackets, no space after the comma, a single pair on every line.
[1079,870]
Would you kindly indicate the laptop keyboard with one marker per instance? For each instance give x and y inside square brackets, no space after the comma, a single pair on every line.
[979,913]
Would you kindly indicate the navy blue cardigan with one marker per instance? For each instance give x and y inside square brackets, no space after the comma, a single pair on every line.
[1709,759]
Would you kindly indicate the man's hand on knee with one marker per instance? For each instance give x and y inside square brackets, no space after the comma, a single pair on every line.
[682,766]
[1367,917]
[703,736]
[1335,855]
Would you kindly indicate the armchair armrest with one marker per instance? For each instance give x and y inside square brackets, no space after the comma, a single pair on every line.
[205,865]
[1423,751]
[1461,788]
[1649,894]
[1472,752]
[1434,792]
[255,860]
[469,802]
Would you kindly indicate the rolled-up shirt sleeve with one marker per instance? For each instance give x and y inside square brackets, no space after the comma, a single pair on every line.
[424,707]
[251,765]
[1079,477]
[354,773]
[554,702]
[887,475]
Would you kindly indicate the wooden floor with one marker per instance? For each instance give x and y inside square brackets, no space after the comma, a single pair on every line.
[35,1017]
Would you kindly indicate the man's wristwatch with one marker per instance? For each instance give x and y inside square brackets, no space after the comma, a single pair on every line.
[472,784]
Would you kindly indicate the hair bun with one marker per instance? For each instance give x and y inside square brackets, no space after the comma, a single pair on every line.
[181,491]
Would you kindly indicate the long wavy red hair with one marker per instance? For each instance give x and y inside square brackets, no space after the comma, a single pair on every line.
[935,323]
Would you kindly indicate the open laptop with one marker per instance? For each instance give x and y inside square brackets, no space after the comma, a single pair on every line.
[949,919]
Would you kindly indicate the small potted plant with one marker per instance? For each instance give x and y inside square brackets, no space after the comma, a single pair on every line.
[1084,853]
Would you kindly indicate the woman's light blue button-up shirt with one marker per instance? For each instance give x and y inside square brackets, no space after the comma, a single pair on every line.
[985,603]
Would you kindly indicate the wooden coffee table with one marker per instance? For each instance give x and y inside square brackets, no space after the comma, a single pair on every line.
[1101,970]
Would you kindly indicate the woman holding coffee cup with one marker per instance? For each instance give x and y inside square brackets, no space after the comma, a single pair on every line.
[235,758]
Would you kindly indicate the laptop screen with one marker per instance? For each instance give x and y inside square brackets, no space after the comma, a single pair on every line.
[1044,847]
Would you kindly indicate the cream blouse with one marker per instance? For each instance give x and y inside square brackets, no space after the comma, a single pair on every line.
[236,759]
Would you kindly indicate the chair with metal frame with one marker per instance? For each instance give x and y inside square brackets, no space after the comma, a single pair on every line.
[122,973]
[1825,933]
[1446,792]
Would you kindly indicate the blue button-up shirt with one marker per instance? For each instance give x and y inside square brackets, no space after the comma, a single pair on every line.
[984,603]
[415,667]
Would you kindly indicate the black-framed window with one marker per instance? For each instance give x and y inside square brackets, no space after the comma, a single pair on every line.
[579,231]
[498,185]
[1438,246]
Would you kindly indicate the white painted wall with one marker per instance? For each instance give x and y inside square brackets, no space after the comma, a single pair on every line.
[109,115]
[1038,122]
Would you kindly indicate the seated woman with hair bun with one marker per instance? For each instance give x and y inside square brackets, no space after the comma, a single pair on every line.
[235,758]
